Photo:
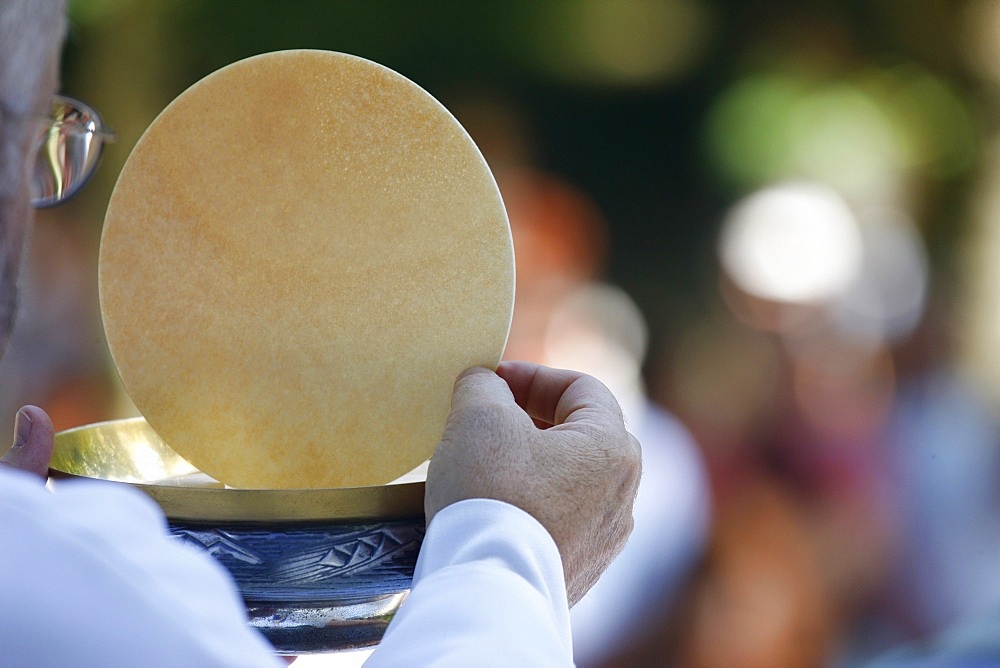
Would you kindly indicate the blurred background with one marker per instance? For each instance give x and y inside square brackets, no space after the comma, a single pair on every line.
[772,227]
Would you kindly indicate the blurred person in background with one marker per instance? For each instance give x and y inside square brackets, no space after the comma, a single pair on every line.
[854,473]
[943,438]
[789,389]
[762,595]
[565,316]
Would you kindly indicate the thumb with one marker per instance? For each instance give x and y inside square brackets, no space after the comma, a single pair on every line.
[459,457]
[33,442]
[477,386]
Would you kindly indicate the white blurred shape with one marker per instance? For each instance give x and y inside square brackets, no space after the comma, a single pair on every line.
[795,242]
[599,330]
[886,300]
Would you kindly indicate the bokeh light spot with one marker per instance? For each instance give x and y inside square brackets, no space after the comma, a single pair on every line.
[793,242]
[865,133]
[621,42]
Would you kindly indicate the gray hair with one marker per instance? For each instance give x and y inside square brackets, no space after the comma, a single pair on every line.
[31,36]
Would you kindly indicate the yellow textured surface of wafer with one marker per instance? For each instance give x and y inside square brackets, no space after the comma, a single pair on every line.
[300,255]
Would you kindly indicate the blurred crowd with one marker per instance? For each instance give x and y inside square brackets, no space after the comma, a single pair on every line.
[820,477]
[820,426]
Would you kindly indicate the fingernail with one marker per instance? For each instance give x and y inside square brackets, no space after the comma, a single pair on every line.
[22,428]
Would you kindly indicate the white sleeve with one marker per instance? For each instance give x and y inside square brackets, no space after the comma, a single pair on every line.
[89,576]
[488,590]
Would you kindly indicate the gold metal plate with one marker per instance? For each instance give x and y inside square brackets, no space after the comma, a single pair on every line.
[129,452]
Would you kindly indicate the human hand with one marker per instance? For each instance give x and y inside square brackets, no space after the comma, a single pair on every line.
[33,442]
[550,442]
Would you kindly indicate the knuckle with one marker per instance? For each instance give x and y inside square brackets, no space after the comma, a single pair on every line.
[481,416]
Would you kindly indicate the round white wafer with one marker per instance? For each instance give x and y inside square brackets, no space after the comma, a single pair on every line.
[300,255]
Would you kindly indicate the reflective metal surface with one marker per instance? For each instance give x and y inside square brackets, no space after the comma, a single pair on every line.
[69,151]
[130,451]
[315,587]
[324,628]
[319,569]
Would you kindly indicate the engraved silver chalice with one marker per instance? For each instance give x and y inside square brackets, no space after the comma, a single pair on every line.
[319,569]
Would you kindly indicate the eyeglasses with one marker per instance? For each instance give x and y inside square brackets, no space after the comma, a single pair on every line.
[68,151]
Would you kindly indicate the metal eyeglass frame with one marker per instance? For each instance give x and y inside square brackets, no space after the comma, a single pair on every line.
[69,150]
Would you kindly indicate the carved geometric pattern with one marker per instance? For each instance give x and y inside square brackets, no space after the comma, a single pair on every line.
[219,544]
[312,562]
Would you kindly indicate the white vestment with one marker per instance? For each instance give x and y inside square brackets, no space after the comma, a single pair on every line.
[89,576]
[488,591]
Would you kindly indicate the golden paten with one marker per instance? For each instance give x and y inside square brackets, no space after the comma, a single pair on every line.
[129,452]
